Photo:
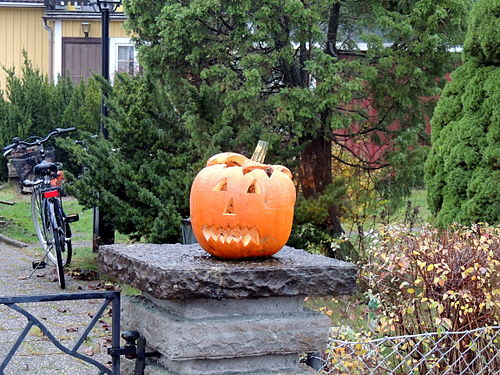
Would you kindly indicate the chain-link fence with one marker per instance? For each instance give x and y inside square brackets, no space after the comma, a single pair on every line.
[474,352]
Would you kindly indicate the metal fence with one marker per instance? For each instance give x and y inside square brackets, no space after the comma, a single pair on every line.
[22,304]
[474,352]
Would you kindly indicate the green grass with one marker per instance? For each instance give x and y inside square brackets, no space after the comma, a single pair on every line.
[84,258]
[418,198]
[342,310]
[20,225]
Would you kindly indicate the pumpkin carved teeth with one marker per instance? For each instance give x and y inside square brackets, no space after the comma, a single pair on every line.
[227,235]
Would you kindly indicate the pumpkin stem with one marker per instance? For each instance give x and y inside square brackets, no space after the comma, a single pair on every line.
[260,152]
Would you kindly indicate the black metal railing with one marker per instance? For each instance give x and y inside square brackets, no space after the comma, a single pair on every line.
[110,298]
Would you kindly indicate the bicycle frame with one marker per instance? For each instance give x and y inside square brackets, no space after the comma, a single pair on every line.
[50,222]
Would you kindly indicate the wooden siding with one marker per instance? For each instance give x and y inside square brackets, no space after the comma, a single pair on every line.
[73,29]
[22,28]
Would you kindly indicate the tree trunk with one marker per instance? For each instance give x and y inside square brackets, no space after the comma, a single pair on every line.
[315,174]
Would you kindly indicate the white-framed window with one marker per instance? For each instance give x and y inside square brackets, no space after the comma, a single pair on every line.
[122,57]
[125,62]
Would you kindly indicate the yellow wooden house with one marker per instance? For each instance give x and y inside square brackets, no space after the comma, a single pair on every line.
[61,40]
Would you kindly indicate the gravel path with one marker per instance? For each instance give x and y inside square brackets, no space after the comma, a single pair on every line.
[66,320]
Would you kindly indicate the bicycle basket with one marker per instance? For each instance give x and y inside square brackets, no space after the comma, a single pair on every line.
[24,162]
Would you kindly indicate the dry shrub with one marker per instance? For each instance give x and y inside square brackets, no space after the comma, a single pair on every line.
[444,281]
[436,279]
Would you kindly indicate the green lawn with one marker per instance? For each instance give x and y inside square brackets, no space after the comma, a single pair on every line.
[418,198]
[20,226]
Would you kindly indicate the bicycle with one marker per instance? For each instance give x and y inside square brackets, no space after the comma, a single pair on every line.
[50,222]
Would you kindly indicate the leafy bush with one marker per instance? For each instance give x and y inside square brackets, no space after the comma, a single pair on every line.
[483,34]
[435,279]
[363,199]
[422,282]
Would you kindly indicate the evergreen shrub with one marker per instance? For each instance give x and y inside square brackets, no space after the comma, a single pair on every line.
[463,168]
[140,177]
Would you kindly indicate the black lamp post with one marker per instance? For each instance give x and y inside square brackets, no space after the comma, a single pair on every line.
[104,233]
[106,7]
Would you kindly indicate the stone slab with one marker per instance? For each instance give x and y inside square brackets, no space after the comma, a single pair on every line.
[179,338]
[209,308]
[155,368]
[175,271]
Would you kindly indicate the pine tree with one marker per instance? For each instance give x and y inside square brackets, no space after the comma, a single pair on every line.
[463,168]
[31,105]
[293,72]
[141,175]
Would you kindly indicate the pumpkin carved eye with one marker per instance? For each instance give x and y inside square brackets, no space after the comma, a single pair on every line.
[254,188]
[221,185]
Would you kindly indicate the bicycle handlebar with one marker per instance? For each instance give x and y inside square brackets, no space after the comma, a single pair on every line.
[6,149]
[18,142]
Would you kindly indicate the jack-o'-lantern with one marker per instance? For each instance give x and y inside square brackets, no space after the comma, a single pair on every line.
[241,208]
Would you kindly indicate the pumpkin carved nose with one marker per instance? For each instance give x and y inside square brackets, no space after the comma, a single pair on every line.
[229,210]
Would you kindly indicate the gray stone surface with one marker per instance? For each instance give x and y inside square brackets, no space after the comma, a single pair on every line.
[179,338]
[207,308]
[12,242]
[243,364]
[155,368]
[187,271]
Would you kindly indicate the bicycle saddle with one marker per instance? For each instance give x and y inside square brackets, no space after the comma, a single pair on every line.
[45,168]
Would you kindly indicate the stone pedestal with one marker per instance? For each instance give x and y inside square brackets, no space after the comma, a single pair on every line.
[211,317]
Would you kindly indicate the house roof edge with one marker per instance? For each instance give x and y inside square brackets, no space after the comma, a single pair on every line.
[22,4]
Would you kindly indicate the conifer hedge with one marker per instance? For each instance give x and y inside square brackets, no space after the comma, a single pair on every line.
[463,168]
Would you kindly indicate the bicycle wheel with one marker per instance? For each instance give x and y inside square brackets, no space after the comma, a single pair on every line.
[38,216]
[68,249]
[55,240]
[41,223]
[65,233]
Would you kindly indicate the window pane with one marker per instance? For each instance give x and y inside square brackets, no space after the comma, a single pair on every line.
[131,66]
[122,67]
[125,52]
[131,53]
[126,60]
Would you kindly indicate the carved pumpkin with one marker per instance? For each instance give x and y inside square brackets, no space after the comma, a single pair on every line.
[241,208]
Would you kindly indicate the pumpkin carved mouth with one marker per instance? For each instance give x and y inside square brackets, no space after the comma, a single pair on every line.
[238,234]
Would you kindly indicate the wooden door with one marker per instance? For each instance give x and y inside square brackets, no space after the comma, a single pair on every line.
[81,57]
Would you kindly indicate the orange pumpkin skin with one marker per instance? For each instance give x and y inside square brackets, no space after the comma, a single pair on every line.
[241,208]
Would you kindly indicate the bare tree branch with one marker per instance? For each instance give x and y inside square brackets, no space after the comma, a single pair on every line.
[357,157]
[363,132]
[364,167]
